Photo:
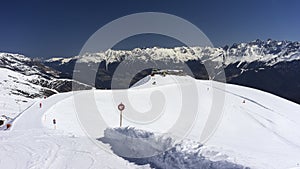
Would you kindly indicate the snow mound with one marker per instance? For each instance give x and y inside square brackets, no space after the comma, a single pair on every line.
[133,144]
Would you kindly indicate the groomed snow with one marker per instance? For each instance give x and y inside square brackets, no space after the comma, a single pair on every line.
[261,133]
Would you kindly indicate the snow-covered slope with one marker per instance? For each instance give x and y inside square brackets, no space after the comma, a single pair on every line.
[25,65]
[30,145]
[23,80]
[40,74]
[18,90]
[262,133]
[17,93]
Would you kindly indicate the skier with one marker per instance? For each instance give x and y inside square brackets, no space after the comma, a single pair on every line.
[54,123]
[40,104]
[8,125]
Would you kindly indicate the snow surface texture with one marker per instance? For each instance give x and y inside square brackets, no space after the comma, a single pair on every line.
[270,52]
[186,154]
[261,133]
[31,144]
[17,93]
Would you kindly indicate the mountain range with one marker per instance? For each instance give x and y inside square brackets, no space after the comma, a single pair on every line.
[271,65]
[44,132]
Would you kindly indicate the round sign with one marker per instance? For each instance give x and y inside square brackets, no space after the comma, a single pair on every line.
[121,106]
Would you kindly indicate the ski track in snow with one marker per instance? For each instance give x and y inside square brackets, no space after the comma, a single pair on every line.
[263,124]
[246,98]
[256,116]
[48,149]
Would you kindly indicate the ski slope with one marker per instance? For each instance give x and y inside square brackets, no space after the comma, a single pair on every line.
[262,133]
[29,144]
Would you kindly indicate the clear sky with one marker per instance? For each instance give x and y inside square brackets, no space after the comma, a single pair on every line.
[44,28]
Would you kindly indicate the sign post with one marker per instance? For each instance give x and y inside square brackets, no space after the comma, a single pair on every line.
[121,107]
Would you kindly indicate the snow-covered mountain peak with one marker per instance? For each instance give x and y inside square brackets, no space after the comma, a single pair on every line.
[178,54]
[270,52]
[14,57]
[26,65]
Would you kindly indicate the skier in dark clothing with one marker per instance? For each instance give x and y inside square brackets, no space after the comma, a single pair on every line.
[54,123]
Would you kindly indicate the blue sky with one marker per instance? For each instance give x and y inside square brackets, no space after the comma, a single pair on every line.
[60,28]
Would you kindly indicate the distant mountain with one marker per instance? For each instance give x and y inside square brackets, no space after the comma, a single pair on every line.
[270,65]
[35,73]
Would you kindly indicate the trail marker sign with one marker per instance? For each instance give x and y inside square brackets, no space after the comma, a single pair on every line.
[121,107]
